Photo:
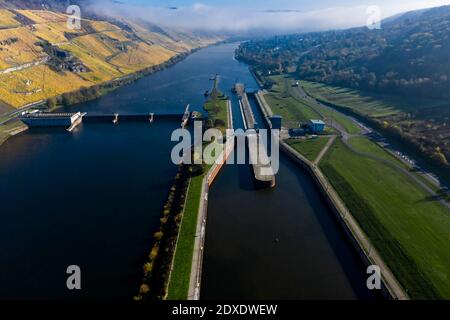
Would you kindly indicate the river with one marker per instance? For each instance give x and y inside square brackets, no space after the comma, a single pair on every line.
[93,199]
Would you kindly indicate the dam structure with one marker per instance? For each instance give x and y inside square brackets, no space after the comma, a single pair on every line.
[47,119]
[39,119]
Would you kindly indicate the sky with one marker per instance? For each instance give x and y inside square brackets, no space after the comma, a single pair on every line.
[264,16]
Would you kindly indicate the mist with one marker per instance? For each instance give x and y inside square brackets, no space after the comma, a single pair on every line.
[244,20]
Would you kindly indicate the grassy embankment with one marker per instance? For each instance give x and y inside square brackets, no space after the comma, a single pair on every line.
[7,129]
[367,104]
[410,230]
[286,101]
[217,112]
[179,281]
[310,148]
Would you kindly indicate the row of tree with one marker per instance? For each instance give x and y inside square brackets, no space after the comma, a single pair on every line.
[156,270]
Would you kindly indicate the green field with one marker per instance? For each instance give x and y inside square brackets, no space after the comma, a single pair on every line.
[182,264]
[285,100]
[283,104]
[367,104]
[217,112]
[179,279]
[409,229]
[362,144]
[310,148]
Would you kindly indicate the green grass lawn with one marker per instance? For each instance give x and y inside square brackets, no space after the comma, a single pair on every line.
[179,280]
[292,111]
[217,112]
[310,148]
[182,263]
[284,104]
[363,144]
[368,104]
[286,101]
[410,230]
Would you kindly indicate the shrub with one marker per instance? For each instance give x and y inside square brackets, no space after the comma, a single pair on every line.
[154,253]
[219,123]
[147,268]
[144,289]
[51,103]
[158,235]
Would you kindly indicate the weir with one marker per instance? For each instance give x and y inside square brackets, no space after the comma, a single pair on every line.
[72,120]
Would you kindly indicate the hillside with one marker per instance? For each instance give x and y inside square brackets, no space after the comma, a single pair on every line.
[408,55]
[41,58]
[397,78]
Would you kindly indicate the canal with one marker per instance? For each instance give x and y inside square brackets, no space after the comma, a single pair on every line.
[280,243]
[93,198]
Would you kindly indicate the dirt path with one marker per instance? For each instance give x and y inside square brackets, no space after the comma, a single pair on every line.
[325,150]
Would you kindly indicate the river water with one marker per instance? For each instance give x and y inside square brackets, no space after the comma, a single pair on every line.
[93,198]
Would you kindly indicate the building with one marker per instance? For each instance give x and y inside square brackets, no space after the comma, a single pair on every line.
[42,119]
[316,126]
[276,122]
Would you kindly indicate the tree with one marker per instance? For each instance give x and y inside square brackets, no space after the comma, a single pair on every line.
[144,289]
[51,103]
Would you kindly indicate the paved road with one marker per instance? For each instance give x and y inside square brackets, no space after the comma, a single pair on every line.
[364,130]
[11,115]
[401,169]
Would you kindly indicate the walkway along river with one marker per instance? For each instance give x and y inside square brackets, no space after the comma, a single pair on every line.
[93,198]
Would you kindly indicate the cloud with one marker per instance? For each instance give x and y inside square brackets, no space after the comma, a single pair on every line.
[201,16]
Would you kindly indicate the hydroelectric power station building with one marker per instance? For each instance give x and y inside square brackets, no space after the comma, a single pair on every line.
[42,119]
[316,126]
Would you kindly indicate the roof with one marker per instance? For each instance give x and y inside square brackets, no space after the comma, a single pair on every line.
[317,122]
[276,117]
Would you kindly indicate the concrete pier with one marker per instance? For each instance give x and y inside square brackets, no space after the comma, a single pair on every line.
[200,233]
[186,116]
[76,122]
[249,117]
[262,170]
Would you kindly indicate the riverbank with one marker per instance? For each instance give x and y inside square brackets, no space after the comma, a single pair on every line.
[186,270]
[92,93]
[185,274]
[361,242]
[10,130]
[129,189]
[391,208]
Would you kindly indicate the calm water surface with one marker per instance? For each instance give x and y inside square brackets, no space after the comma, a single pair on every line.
[93,198]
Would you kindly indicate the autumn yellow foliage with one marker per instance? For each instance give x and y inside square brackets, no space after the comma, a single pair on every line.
[107,52]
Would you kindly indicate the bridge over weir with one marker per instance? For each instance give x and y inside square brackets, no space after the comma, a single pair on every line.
[129,117]
[72,120]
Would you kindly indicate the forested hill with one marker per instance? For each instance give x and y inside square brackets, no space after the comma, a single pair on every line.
[408,55]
